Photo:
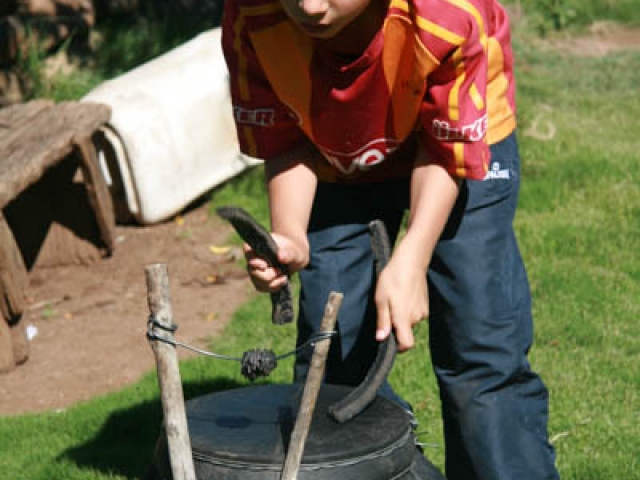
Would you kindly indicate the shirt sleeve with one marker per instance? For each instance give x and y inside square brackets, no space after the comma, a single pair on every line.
[453,115]
[266,127]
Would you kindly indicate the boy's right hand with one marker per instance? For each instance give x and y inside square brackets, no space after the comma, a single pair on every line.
[265,277]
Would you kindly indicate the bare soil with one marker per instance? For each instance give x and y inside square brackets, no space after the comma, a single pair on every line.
[604,38]
[91,319]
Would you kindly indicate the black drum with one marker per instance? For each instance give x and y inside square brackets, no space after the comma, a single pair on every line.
[243,434]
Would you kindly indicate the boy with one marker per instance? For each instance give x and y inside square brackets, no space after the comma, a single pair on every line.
[361,109]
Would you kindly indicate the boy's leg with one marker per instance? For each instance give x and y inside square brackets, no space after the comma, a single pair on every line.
[341,260]
[494,405]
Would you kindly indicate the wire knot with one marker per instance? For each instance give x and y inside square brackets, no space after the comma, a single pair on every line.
[153,323]
[258,363]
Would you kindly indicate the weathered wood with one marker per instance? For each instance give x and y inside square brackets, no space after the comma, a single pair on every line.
[16,116]
[14,348]
[98,192]
[175,417]
[7,362]
[19,341]
[53,221]
[33,138]
[30,149]
[311,390]
[13,275]
[84,118]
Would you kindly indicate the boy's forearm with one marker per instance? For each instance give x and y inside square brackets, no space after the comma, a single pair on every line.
[291,184]
[433,194]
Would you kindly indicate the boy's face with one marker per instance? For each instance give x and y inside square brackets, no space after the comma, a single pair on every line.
[324,19]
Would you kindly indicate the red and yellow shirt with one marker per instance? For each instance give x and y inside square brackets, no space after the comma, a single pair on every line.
[439,72]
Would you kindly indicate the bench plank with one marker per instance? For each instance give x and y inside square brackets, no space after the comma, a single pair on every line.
[17,115]
[31,148]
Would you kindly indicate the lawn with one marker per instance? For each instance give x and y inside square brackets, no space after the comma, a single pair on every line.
[579,228]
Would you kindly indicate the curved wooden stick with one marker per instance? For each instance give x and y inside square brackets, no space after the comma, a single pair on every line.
[258,238]
[360,397]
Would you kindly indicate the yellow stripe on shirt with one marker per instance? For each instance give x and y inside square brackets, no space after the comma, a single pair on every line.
[400,5]
[473,11]
[250,141]
[454,94]
[243,81]
[458,153]
[438,31]
[428,26]
[501,115]
[476,98]
[293,71]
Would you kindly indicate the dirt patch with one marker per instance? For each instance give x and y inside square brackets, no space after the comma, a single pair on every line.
[603,38]
[91,320]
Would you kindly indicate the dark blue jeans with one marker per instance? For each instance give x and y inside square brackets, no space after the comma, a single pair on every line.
[494,406]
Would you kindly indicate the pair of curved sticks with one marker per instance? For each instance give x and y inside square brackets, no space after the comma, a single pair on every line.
[282,305]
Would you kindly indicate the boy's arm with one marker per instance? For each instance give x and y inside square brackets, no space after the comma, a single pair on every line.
[266,129]
[454,120]
[401,292]
[291,185]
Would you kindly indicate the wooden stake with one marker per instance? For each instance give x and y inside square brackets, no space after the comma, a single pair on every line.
[311,390]
[175,417]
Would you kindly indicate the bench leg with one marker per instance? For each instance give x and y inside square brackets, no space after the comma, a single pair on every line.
[19,341]
[7,363]
[13,282]
[98,192]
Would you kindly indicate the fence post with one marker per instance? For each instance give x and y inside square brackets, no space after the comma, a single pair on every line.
[175,417]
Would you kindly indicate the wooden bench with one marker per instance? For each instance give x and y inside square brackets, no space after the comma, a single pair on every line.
[34,138]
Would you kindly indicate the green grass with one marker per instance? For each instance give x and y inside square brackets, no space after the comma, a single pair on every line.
[579,228]
[550,15]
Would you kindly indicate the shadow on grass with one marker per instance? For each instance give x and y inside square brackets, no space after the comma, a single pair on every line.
[125,443]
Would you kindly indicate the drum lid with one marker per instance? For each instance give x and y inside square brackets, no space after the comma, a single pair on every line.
[247,430]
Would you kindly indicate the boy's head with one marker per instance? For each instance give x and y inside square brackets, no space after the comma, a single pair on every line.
[325,19]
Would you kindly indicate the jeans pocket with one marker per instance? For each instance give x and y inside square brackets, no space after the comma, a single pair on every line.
[503,176]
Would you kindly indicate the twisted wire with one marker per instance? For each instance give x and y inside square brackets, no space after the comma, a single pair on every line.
[254,363]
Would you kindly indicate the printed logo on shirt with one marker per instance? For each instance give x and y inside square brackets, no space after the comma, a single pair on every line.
[474,132]
[495,173]
[373,153]
[261,117]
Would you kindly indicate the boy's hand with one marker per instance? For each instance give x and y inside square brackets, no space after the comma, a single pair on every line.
[401,293]
[265,277]
[401,299]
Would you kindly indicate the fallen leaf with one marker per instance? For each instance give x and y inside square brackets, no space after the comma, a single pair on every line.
[216,250]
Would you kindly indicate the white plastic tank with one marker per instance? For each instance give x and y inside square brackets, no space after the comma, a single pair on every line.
[171,137]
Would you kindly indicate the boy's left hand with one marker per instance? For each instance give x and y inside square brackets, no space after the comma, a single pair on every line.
[401,299]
